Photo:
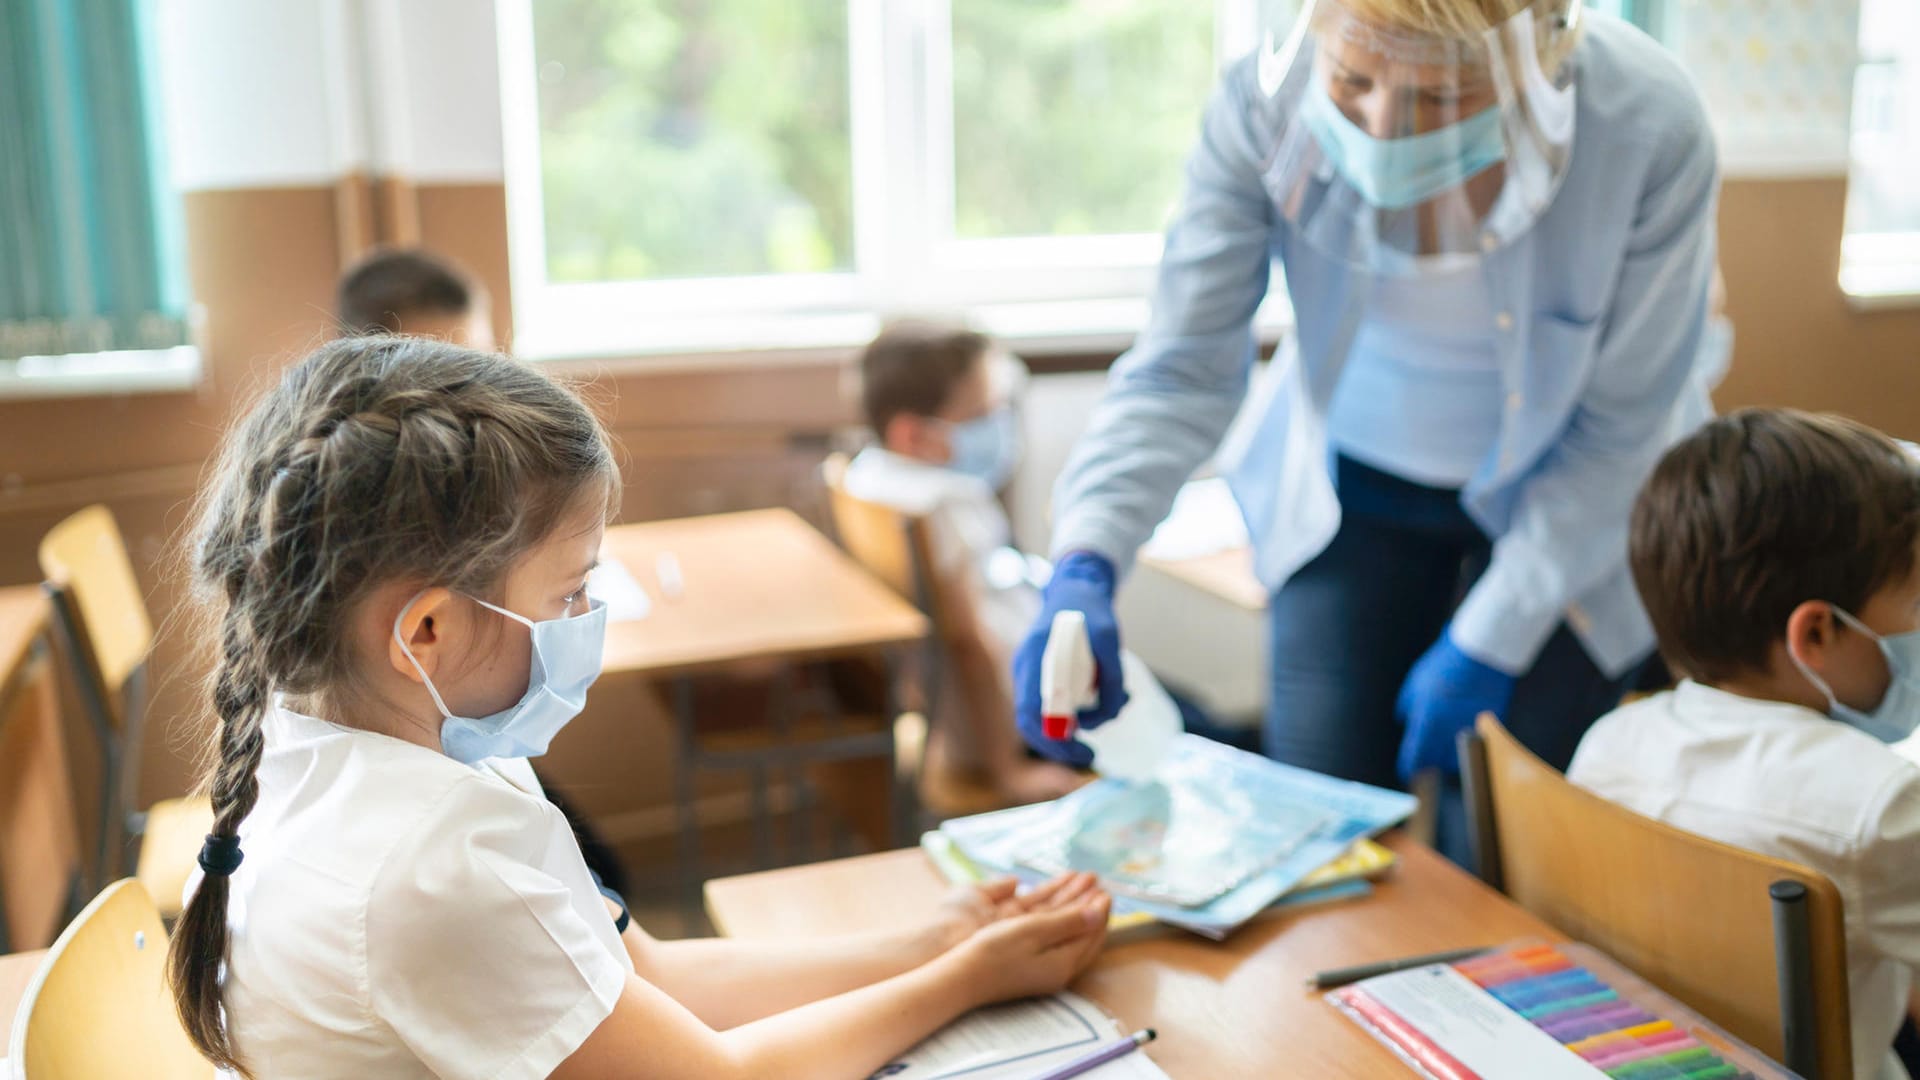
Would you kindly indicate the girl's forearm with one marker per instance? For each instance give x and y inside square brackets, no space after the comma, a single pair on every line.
[858,1032]
[727,983]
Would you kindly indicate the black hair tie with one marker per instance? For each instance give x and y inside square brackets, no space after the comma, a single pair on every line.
[220,856]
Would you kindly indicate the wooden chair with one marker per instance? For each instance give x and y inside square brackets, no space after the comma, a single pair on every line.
[108,636]
[1755,944]
[895,548]
[41,862]
[99,1007]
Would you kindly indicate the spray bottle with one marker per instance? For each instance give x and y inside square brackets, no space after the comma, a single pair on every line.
[1131,745]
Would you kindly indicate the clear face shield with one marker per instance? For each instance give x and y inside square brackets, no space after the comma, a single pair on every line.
[1405,150]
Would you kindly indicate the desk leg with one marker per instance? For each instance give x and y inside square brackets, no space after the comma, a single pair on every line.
[683,789]
[780,708]
[902,804]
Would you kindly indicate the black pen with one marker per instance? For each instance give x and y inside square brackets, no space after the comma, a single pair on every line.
[1328,980]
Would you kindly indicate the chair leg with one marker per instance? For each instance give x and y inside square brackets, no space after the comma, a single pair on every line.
[1478,795]
[684,792]
[1793,961]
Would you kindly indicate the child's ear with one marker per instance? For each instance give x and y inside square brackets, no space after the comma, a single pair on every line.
[905,435]
[417,627]
[1810,631]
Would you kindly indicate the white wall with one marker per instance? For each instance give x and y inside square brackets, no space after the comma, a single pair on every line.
[276,93]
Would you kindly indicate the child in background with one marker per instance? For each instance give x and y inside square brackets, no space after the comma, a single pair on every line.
[937,399]
[1778,556]
[412,291]
[395,545]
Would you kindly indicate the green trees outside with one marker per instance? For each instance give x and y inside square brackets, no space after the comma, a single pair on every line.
[694,138]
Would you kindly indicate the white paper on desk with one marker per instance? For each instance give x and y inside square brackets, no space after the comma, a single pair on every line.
[1019,1041]
[1204,521]
[612,583]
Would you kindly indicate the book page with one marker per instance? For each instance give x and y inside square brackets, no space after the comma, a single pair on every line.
[1017,1041]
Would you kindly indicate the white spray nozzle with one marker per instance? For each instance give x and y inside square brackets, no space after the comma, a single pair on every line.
[1068,675]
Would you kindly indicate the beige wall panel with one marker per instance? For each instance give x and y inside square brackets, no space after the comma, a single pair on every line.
[1797,342]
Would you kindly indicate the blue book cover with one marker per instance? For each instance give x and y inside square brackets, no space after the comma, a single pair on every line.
[1214,838]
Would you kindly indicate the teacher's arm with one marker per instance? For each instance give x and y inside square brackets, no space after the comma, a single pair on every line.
[1569,525]
[1170,399]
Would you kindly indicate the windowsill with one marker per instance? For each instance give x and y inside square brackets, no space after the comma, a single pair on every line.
[1881,272]
[119,373]
[1880,288]
[1036,329]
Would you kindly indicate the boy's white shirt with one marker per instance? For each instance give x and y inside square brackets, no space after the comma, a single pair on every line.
[965,525]
[1789,782]
[400,914]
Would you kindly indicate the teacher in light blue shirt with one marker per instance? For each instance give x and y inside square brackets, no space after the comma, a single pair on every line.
[1495,221]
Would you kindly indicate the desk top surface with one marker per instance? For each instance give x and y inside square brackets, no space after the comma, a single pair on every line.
[1238,1008]
[1226,574]
[753,586]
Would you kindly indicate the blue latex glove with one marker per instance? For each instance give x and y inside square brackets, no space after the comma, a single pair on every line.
[1443,694]
[1081,581]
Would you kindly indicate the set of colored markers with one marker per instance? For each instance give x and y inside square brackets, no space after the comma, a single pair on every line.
[1539,1012]
[1587,1016]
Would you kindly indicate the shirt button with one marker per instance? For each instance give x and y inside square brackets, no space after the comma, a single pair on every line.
[1504,320]
[1514,400]
[1488,241]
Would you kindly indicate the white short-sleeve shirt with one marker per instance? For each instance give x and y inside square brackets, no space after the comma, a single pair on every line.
[400,914]
[1788,782]
[966,526]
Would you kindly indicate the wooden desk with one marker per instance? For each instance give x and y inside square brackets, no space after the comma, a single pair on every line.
[1225,574]
[760,585]
[756,587]
[39,834]
[1239,1008]
[23,626]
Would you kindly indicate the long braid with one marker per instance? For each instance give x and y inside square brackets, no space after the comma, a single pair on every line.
[200,938]
[374,460]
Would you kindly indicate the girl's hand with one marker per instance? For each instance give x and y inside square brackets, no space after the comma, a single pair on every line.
[1038,952]
[967,909]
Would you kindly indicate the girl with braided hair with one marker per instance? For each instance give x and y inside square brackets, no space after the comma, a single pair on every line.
[394,548]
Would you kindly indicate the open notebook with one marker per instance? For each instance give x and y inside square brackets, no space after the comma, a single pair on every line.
[1021,1040]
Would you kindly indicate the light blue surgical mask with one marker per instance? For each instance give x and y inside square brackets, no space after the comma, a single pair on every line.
[1394,174]
[1899,711]
[566,660]
[987,447]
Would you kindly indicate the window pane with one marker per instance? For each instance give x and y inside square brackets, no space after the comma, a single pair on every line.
[1072,117]
[1882,196]
[693,138]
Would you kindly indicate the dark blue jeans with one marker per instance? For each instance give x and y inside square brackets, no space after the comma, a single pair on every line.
[1349,625]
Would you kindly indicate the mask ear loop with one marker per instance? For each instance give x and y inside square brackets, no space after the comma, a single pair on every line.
[426,681]
[1818,683]
[1840,614]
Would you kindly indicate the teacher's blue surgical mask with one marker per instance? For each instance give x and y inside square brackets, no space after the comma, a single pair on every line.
[1394,174]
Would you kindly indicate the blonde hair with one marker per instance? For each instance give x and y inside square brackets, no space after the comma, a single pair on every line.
[375,460]
[1456,20]
[1467,22]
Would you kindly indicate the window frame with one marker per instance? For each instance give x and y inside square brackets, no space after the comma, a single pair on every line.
[1879,269]
[1047,294]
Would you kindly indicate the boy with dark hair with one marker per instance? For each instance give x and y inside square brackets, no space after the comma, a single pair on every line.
[415,292]
[1778,556]
[939,401]
[937,398]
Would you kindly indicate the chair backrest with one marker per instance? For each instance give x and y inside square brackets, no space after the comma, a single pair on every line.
[891,545]
[99,1007]
[97,598]
[1691,915]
